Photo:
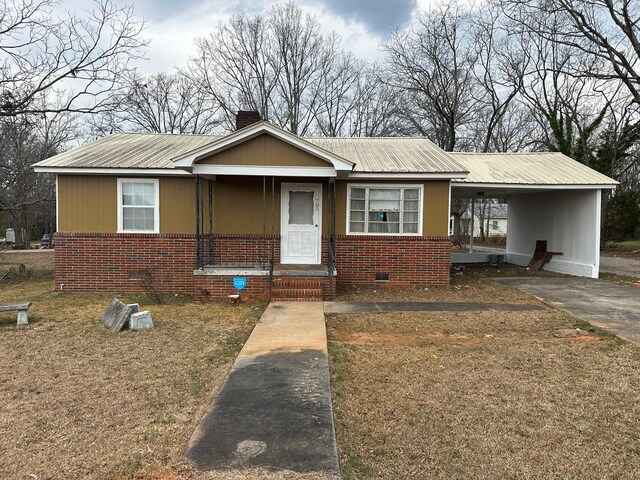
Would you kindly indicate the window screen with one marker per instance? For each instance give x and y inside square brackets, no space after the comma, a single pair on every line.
[300,208]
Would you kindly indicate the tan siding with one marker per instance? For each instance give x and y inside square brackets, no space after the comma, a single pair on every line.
[238,204]
[435,212]
[265,150]
[177,205]
[436,208]
[87,204]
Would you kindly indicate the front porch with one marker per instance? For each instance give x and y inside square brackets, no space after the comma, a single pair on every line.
[292,233]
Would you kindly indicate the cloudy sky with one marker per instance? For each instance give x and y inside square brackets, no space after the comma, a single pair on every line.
[172,25]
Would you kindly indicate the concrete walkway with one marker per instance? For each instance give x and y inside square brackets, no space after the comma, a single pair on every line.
[604,304]
[627,267]
[274,410]
[369,307]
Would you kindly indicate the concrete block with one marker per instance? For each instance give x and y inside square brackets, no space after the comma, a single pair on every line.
[116,315]
[135,307]
[141,320]
[23,318]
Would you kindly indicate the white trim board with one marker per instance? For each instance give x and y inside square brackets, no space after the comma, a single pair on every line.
[533,185]
[257,170]
[407,176]
[151,172]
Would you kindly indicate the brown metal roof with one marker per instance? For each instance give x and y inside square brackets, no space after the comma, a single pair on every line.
[535,168]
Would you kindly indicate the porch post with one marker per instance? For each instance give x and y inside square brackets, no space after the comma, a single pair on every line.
[332,234]
[198,259]
[210,259]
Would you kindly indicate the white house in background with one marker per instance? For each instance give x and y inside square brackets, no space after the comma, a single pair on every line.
[495,219]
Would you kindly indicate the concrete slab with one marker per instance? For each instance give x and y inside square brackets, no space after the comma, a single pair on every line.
[116,315]
[274,410]
[369,307]
[627,267]
[604,304]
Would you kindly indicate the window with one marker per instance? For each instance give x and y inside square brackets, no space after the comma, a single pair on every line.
[381,210]
[494,224]
[138,209]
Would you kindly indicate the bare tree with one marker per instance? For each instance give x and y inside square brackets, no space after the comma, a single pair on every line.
[44,54]
[306,58]
[606,31]
[499,84]
[25,140]
[434,63]
[378,110]
[237,66]
[339,95]
[163,103]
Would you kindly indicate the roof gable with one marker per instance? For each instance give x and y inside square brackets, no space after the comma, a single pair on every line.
[267,151]
[188,160]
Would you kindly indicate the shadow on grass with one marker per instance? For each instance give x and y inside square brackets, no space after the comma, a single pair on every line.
[9,321]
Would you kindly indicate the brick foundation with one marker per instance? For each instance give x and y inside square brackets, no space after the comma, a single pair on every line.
[86,262]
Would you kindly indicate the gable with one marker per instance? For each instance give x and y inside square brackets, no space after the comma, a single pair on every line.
[266,151]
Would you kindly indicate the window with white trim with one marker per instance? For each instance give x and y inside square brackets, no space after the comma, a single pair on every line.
[382,210]
[138,205]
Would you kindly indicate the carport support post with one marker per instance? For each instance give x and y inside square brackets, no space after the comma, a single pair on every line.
[473,212]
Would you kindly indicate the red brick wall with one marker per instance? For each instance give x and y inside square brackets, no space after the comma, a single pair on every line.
[109,262]
[416,261]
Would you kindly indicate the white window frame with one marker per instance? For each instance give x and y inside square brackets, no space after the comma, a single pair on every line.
[387,186]
[156,204]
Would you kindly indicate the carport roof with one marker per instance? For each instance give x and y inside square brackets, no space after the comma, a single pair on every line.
[528,169]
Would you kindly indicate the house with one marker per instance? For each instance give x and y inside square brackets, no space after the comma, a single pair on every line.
[494,221]
[291,216]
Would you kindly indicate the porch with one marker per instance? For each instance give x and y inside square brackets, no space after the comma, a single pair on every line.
[279,234]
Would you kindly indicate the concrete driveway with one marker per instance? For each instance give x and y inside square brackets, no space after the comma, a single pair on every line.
[628,267]
[606,305]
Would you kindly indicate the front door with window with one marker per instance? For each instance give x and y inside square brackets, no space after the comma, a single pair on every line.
[301,223]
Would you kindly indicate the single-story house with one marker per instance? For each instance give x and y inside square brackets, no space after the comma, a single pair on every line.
[291,216]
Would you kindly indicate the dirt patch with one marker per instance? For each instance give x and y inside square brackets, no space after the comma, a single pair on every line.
[81,402]
[405,340]
[527,400]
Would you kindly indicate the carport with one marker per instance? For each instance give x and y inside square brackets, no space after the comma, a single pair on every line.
[549,196]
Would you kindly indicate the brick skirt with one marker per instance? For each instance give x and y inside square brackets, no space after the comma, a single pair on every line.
[86,262]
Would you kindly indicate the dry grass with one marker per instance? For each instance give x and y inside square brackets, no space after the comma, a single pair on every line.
[483,395]
[465,288]
[40,262]
[81,402]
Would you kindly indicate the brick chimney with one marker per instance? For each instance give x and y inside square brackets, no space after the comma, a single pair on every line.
[244,118]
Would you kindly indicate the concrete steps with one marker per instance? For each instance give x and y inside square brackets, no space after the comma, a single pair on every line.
[296,290]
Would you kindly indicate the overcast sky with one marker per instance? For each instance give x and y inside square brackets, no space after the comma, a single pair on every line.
[172,25]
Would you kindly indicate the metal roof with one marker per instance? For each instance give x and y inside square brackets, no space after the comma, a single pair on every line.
[144,150]
[129,150]
[535,168]
[391,154]
[370,155]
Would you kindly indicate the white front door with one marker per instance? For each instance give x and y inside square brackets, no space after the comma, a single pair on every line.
[301,223]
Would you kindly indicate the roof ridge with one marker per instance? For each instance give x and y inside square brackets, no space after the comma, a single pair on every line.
[504,153]
[166,134]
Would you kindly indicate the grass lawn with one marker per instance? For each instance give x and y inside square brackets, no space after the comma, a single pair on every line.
[482,394]
[629,248]
[81,402]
